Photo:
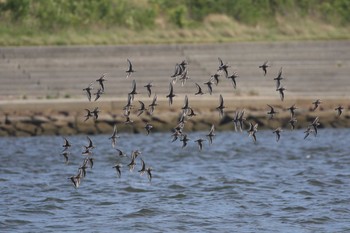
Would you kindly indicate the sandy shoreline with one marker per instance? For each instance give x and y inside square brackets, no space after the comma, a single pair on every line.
[41,87]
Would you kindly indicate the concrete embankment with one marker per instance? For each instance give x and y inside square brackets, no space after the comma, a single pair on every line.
[54,117]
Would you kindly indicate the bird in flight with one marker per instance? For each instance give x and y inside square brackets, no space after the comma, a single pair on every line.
[264,67]
[130,70]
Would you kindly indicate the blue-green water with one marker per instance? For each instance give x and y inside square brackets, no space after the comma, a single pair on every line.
[233,185]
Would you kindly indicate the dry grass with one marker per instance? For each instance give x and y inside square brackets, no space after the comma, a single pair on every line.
[216,28]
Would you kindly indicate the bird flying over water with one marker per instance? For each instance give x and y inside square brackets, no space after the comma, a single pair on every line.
[278,79]
[66,144]
[114,136]
[281,91]
[149,90]
[233,79]
[272,111]
[316,103]
[200,143]
[211,134]
[199,91]
[117,168]
[339,110]
[252,130]
[221,106]
[278,133]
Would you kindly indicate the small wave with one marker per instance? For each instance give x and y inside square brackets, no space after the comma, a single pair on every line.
[295,208]
[134,190]
[318,220]
[305,193]
[141,213]
[176,186]
[315,182]
[15,222]
[179,196]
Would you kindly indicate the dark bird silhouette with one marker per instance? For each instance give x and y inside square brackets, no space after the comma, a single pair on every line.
[339,110]
[221,106]
[252,130]
[101,80]
[90,144]
[307,132]
[223,67]
[316,103]
[75,180]
[143,168]
[133,92]
[199,91]
[184,139]
[185,107]
[292,123]
[141,109]
[233,79]
[95,113]
[149,173]
[118,169]
[88,91]
[152,105]
[211,134]
[278,133]
[66,154]
[281,91]
[292,110]
[149,90]
[130,70]
[66,144]
[98,94]
[215,78]
[148,127]
[210,86]
[191,113]
[120,153]
[128,105]
[114,136]
[272,111]
[200,143]
[278,79]
[315,124]
[264,67]
[88,114]
[171,94]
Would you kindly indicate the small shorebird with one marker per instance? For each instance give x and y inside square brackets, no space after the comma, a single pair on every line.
[66,144]
[272,111]
[291,110]
[117,168]
[90,144]
[215,77]
[281,91]
[199,92]
[210,86]
[121,153]
[316,103]
[278,133]
[211,134]
[233,78]
[98,94]
[278,79]
[66,156]
[184,140]
[149,90]
[171,94]
[221,106]
[152,105]
[149,173]
[141,109]
[114,136]
[133,92]
[101,80]
[252,130]
[308,131]
[315,124]
[95,113]
[264,67]
[130,70]
[143,168]
[88,91]
[292,122]
[75,180]
[200,143]
[339,110]
[148,128]
[223,67]
[88,114]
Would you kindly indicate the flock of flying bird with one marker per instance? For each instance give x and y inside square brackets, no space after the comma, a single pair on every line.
[181,75]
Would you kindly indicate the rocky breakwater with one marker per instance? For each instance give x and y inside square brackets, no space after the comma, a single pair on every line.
[67,117]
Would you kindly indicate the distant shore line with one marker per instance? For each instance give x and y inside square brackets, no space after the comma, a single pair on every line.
[66,117]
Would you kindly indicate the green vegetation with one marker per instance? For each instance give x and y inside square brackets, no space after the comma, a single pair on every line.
[36,22]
